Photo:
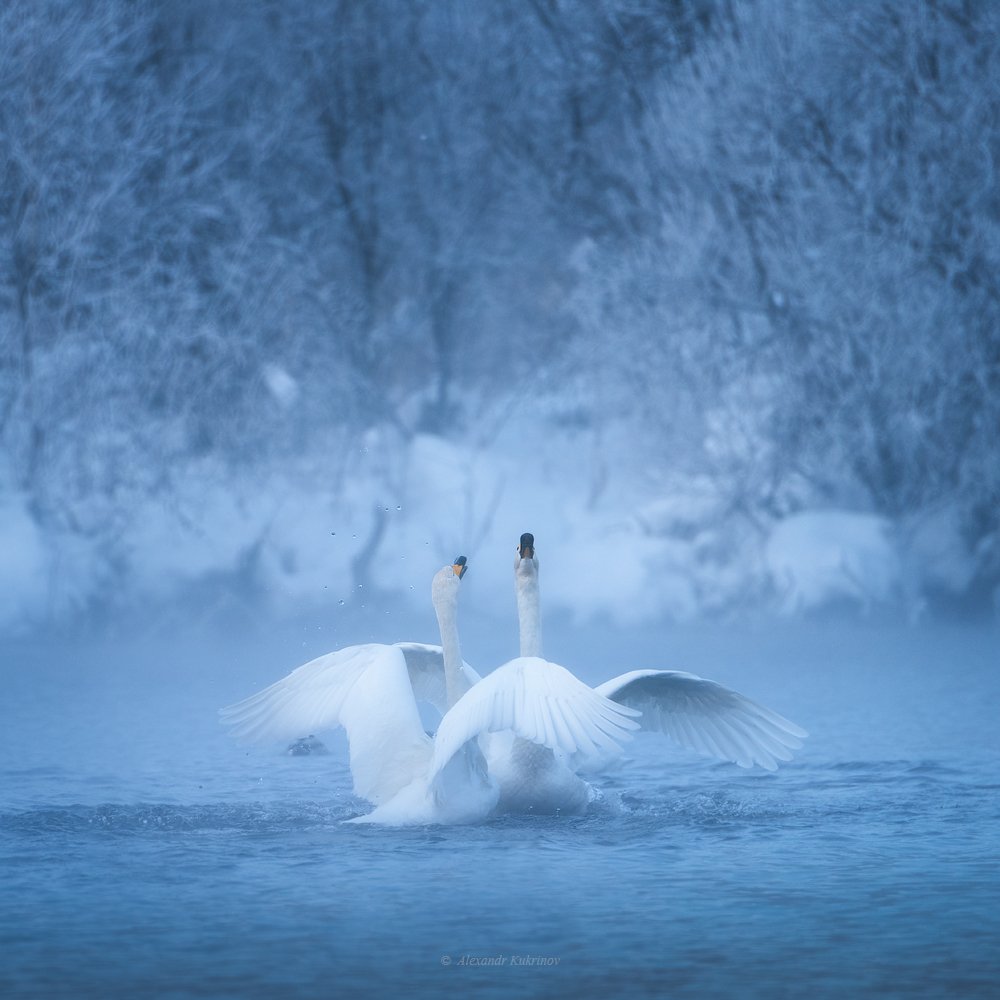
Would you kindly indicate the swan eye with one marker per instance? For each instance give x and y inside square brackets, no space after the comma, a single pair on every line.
[460,566]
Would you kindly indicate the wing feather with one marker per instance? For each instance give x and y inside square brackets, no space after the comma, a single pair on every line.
[307,700]
[584,744]
[524,696]
[367,690]
[707,717]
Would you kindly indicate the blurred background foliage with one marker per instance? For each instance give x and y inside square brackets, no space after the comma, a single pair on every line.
[762,240]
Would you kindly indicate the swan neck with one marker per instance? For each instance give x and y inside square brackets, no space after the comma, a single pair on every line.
[529,615]
[455,682]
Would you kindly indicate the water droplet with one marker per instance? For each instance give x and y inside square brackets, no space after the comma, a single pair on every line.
[341,603]
[399,506]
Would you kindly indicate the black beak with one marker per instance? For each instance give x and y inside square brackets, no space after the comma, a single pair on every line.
[527,546]
[460,566]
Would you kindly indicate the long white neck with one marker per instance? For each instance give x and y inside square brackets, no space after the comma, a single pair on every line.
[456,683]
[529,612]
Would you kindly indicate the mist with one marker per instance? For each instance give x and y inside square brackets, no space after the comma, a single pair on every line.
[300,302]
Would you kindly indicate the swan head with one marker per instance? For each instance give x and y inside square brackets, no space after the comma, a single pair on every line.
[444,586]
[526,564]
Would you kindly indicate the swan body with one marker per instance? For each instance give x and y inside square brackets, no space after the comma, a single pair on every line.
[526,701]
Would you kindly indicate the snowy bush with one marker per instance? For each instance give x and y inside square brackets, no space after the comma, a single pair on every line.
[703,293]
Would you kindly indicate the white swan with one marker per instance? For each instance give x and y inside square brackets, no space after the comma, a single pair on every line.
[353,687]
[452,788]
[372,692]
[540,705]
[698,714]
[522,712]
[532,778]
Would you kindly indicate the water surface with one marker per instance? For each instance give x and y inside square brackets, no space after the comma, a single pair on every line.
[144,853]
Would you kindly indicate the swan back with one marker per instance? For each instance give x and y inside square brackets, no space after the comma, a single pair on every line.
[539,701]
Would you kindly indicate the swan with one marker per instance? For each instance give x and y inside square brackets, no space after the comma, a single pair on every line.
[532,778]
[353,687]
[540,704]
[372,691]
[696,713]
[509,742]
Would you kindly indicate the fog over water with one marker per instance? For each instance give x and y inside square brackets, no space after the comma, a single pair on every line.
[299,302]
[144,850]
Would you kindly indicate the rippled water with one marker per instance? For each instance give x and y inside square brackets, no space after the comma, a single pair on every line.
[143,853]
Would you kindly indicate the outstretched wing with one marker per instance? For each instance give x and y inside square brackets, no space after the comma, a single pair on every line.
[539,701]
[426,668]
[365,689]
[707,717]
[308,700]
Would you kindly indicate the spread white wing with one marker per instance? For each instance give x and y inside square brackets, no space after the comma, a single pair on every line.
[367,690]
[538,701]
[707,717]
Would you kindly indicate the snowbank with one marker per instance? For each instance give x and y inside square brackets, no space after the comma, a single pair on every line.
[400,512]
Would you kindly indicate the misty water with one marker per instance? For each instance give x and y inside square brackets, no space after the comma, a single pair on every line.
[145,852]
[299,300]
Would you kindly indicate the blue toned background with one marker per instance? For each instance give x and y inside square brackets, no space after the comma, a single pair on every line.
[299,301]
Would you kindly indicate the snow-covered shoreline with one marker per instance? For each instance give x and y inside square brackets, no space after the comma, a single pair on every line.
[624,555]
